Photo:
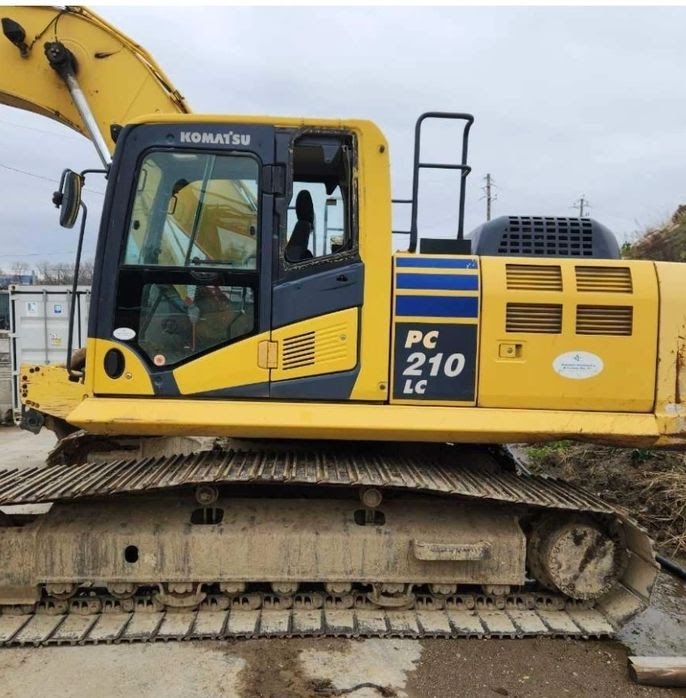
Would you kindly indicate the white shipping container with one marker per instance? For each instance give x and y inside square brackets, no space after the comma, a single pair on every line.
[39,327]
[5,377]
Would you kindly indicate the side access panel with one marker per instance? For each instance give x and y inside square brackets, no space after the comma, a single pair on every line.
[316,334]
[568,334]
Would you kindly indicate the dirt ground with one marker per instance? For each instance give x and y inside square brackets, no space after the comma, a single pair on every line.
[324,667]
[319,668]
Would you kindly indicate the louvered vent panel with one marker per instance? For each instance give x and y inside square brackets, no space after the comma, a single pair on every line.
[604,319]
[298,351]
[532,277]
[604,279]
[543,318]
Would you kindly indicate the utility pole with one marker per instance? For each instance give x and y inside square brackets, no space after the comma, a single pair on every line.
[488,195]
[582,204]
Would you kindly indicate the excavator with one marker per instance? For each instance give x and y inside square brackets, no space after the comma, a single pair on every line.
[275,430]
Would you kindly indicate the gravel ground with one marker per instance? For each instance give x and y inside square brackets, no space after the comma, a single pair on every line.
[359,668]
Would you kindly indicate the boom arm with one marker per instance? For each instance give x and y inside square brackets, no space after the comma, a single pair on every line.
[117,78]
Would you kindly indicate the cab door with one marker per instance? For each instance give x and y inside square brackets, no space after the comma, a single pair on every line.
[185,273]
[318,284]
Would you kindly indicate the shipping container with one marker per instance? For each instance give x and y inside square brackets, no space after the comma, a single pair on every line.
[5,378]
[39,327]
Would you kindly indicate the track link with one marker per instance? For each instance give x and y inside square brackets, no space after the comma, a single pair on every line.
[74,629]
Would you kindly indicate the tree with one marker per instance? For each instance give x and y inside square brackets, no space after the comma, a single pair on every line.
[61,273]
[19,268]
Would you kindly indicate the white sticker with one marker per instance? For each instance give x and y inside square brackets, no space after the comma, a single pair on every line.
[32,308]
[578,365]
[57,309]
[55,340]
[124,333]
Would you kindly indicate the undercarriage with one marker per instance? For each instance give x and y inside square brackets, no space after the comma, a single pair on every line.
[337,541]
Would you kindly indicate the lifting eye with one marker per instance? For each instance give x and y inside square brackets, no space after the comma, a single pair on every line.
[114,363]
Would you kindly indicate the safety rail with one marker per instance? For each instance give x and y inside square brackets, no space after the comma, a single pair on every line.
[462,167]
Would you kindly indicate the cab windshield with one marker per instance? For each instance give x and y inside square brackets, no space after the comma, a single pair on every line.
[194,209]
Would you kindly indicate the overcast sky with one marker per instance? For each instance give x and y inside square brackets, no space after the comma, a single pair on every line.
[567,102]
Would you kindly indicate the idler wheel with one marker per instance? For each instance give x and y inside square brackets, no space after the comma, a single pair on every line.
[579,557]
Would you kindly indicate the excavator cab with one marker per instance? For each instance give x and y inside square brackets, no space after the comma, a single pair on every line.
[200,264]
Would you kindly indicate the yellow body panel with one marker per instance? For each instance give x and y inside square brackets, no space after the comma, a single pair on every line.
[374,197]
[119,78]
[135,380]
[314,347]
[281,419]
[670,396]
[228,367]
[517,367]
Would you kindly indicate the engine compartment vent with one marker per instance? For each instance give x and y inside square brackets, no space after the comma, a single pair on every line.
[604,319]
[540,318]
[298,351]
[549,236]
[533,277]
[544,236]
[604,279]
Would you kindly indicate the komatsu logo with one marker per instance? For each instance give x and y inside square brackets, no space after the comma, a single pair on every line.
[226,138]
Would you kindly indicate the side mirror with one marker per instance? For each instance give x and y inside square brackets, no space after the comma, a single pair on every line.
[68,198]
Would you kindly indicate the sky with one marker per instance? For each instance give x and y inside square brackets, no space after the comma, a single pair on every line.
[568,101]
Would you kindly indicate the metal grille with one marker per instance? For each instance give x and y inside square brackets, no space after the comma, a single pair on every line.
[604,319]
[549,236]
[298,351]
[540,318]
[533,277]
[604,279]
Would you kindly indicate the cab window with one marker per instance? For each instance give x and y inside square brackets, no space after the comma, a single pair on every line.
[320,211]
[194,209]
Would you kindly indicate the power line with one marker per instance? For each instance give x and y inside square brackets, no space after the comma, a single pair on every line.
[46,179]
[41,130]
[29,174]
[38,254]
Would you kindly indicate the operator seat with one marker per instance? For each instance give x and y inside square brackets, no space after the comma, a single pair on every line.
[296,247]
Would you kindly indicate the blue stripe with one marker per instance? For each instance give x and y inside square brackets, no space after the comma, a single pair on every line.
[436,262]
[440,282]
[437,306]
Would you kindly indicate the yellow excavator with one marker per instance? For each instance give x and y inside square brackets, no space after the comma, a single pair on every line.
[276,430]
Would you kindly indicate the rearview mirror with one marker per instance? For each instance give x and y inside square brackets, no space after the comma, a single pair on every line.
[68,198]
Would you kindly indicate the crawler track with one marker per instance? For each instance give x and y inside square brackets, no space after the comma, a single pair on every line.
[91,616]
